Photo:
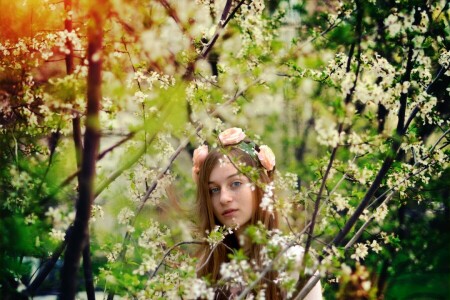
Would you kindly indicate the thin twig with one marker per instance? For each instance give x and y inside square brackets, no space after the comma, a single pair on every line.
[264,272]
[47,266]
[364,226]
[99,157]
[170,250]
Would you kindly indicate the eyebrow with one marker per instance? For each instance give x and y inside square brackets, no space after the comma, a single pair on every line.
[232,175]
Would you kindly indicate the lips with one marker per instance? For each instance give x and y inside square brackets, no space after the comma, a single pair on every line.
[229,212]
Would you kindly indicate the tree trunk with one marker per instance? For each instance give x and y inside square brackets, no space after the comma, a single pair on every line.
[79,239]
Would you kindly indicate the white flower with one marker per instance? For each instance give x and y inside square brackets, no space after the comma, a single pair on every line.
[197,289]
[147,265]
[97,212]
[125,215]
[346,269]
[140,96]
[357,145]
[381,213]
[375,246]
[57,235]
[54,213]
[327,134]
[444,59]
[366,285]
[218,235]
[340,202]
[361,251]
[267,199]
[233,271]
[151,238]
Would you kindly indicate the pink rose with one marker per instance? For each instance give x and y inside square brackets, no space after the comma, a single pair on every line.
[195,172]
[231,136]
[199,157]
[266,157]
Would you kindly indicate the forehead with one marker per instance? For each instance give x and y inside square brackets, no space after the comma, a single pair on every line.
[222,170]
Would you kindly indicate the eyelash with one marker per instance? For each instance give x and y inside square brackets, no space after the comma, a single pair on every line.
[234,184]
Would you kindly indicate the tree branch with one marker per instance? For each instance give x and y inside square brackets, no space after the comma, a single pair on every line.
[364,226]
[404,96]
[225,18]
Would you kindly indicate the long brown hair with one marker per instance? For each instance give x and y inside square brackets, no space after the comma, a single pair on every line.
[210,262]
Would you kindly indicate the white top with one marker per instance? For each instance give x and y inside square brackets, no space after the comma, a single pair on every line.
[296,253]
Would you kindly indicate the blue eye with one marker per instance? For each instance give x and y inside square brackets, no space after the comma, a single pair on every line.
[236,184]
[214,190]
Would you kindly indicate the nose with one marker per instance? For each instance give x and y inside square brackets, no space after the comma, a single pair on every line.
[226,196]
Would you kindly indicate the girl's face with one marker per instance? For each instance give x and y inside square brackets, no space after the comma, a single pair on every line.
[233,200]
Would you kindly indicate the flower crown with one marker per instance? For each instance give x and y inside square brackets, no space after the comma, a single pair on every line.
[235,136]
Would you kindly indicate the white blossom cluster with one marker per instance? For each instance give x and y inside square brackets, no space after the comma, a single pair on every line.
[362,175]
[125,216]
[378,83]
[20,181]
[153,237]
[421,73]
[255,31]
[401,23]
[407,176]
[75,83]
[113,254]
[147,171]
[181,283]
[427,104]
[61,217]
[379,214]
[444,59]
[41,46]
[286,185]
[267,201]
[400,180]
[57,234]
[341,12]
[217,235]
[358,144]
[96,213]
[327,134]
[233,273]
[145,81]
[362,249]
[196,288]
[340,201]
[163,147]
[148,264]
[200,88]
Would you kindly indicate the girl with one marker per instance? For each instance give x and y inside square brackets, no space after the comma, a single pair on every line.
[226,197]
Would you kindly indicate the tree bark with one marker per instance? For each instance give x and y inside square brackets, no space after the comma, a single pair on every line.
[87,268]
[79,239]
